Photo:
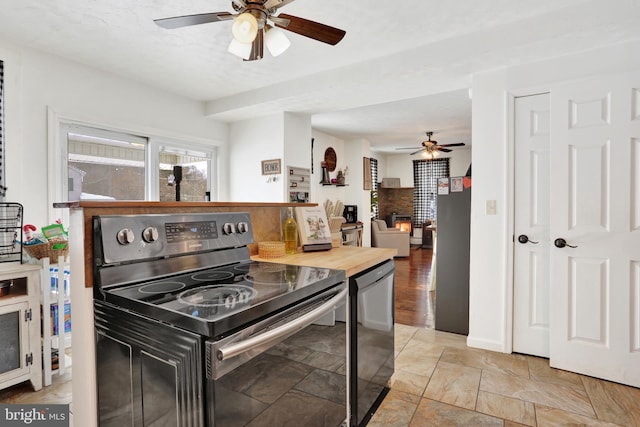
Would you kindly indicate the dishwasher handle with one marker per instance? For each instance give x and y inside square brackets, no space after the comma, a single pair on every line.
[282,331]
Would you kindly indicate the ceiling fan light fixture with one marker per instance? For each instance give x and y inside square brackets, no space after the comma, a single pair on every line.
[276,40]
[245,28]
[243,50]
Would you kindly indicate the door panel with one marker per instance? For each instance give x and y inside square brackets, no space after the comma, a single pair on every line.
[531,260]
[595,200]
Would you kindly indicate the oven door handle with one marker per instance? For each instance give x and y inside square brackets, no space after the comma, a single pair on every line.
[284,330]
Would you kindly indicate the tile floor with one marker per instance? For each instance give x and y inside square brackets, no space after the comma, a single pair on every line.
[438,381]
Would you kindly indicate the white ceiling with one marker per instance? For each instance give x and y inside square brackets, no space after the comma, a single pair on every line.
[403,67]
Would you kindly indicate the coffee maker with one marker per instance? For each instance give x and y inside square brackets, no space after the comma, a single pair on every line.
[350,213]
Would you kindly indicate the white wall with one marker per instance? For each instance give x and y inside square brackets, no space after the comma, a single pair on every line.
[250,142]
[36,82]
[491,235]
[320,193]
[401,165]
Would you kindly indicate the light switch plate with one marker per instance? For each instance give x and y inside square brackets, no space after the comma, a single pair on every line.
[490,207]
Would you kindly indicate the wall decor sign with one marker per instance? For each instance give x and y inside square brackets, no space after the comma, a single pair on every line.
[271,167]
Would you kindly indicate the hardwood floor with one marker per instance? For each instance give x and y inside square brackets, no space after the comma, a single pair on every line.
[413,302]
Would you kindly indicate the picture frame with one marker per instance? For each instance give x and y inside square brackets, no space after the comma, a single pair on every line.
[443,186]
[313,228]
[456,185]
[366,173]
[271,167]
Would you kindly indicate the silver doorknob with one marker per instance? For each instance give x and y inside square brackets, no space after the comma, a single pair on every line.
[561,243]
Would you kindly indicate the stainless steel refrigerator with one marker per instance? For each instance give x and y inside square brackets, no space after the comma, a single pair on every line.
[452,256]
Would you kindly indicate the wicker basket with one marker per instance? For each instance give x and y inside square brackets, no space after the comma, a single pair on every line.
[46,250]
[271,249]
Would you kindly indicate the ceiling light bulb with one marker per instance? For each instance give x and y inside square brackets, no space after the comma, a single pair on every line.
[276,40]
[243,50]
[245,28]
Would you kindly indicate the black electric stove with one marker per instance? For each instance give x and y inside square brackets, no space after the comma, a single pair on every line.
[194,271]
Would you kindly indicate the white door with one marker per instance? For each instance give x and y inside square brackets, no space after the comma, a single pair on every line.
[531,225]
[595,205]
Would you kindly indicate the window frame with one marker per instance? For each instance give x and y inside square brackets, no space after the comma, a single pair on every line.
[58,159]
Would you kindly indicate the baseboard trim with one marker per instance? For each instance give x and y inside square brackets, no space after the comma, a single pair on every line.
[486,344]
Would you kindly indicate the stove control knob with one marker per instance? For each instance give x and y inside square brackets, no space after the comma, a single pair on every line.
[150,234]
[228,228]
[125,236]
[242,227]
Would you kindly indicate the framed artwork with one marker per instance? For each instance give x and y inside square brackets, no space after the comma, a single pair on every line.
[271,167]
[366,173]
[456,185]
[443,185]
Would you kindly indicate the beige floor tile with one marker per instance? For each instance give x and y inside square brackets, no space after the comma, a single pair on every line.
[515,410]
[417,357]
[402,335]
[409,382]
[552,395]
[396,410]
[551,417]
[512,364]
[454,384]
[432,413]
[540,370]
[441,338]
[614,402]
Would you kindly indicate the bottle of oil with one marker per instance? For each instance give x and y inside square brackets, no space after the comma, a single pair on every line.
[290,233]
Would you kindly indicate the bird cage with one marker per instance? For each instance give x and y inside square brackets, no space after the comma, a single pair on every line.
[11,232]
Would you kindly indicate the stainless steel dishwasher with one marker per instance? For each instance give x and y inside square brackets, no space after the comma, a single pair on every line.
[371,330]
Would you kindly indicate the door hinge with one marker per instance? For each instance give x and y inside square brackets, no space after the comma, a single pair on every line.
[29,359]
[27,315]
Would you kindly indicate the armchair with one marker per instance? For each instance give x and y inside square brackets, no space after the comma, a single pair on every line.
[383,237]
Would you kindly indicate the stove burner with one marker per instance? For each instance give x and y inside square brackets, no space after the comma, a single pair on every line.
[217,296]
[161,287]
[245,268]
[211,276]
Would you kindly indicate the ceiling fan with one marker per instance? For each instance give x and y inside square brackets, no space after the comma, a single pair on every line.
[432,148]
[255,25]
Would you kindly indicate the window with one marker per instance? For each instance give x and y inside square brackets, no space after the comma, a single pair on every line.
[107,164]
[374,189]
[194,168]
[425,183]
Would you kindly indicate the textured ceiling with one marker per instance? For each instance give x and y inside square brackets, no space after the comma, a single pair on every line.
[403,67]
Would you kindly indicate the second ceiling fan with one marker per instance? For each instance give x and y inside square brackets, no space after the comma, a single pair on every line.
[431,148]
[255,25]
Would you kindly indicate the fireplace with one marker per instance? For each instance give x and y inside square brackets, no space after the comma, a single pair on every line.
[401,222]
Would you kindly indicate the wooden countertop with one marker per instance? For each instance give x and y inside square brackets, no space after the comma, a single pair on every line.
[351,259]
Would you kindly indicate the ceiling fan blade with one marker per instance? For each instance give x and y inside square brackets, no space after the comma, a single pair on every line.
[409,148]
[444,150]
[311,29]
[457,144]
[416,152]
[276,3]
[187,20]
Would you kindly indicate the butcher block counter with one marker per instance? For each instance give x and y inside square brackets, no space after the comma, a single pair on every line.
[351,259]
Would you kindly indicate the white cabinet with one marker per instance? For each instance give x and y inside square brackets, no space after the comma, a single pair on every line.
[56,317]
[20,357]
